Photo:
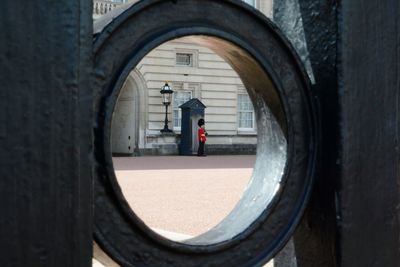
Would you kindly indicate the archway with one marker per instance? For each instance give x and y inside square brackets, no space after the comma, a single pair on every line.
[123,138]
[130,116]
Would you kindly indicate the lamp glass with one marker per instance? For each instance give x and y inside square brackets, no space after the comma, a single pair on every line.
[166,93]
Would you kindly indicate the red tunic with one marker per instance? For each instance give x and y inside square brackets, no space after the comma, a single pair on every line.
[202,135]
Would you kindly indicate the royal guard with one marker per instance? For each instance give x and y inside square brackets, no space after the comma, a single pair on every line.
[202,138]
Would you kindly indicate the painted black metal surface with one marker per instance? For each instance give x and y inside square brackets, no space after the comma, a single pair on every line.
[46,140]
[276,82]
[369,90]
[315,237]
[45,133]
[353,217]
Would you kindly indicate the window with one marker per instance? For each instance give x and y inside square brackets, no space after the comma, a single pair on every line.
[184,59]
[180,97]
[245,112]
[250,2]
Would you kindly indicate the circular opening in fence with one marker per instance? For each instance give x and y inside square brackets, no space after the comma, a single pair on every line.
[247,94]
[287,129]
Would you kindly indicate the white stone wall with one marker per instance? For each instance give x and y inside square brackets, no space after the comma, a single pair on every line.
[210,79]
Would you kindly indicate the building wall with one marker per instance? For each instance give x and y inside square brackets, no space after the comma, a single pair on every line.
[209,78]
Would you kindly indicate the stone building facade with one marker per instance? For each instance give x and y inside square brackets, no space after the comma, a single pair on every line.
[193,71]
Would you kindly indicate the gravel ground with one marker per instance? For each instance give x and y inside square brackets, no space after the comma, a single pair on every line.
[183,195]
[186,195]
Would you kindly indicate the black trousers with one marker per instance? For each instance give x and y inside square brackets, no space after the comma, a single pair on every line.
[200,151]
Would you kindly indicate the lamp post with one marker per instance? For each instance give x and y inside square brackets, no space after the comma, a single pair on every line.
[166,93]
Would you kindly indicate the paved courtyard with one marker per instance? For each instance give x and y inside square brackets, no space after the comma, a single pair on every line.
[183,196]
[186,195]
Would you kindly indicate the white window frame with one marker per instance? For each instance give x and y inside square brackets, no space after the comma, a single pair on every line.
[245,129]
[175,107]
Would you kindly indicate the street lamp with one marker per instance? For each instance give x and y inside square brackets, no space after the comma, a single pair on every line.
[166,93]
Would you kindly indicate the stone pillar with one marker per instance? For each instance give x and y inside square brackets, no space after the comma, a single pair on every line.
[45,133]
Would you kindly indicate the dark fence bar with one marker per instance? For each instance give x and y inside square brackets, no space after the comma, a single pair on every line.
[47,126]
[369,193]
[45,133]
